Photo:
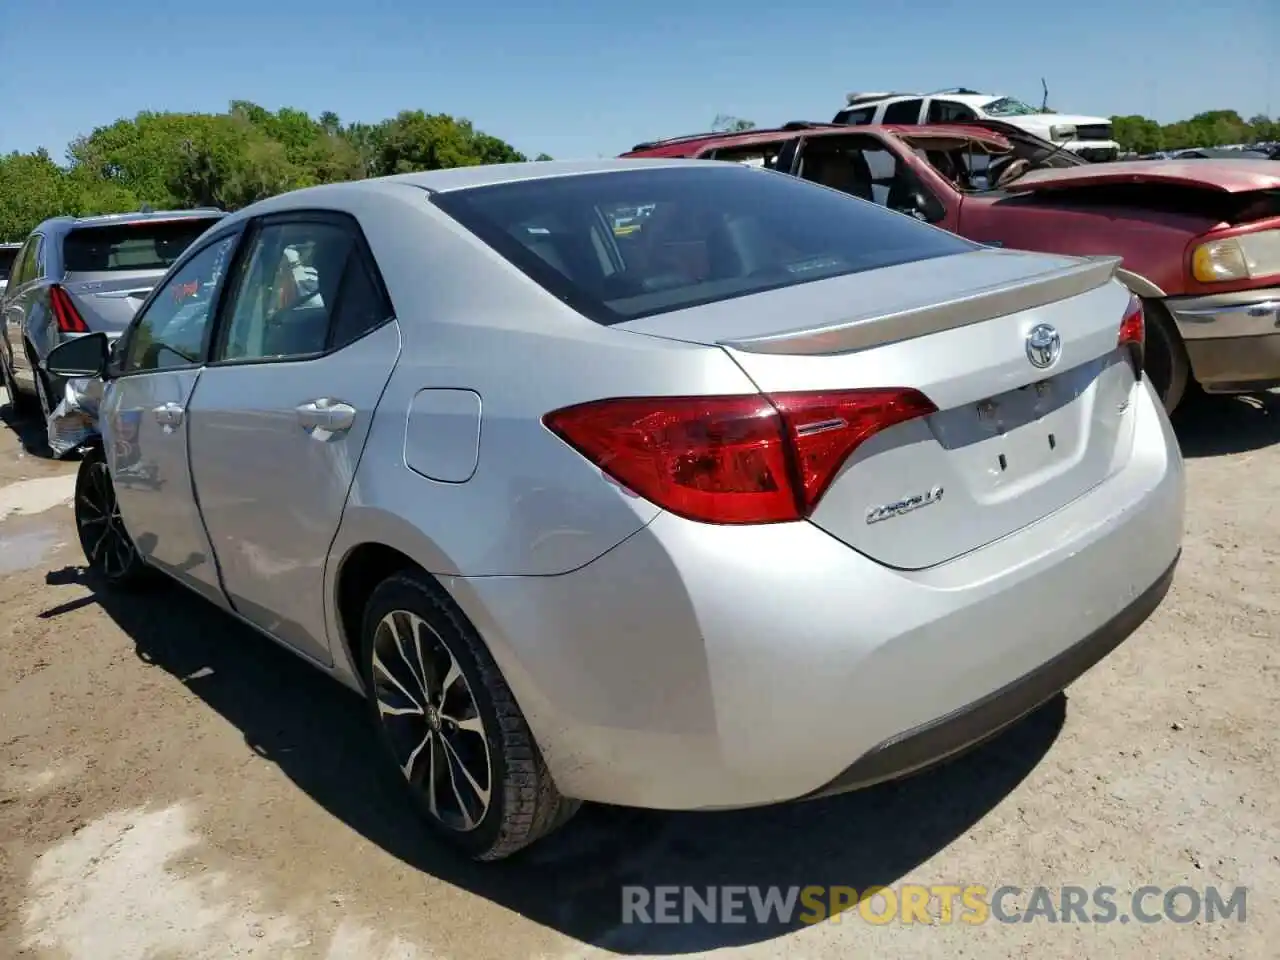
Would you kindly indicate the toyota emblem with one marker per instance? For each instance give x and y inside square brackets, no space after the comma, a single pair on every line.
[1044,345]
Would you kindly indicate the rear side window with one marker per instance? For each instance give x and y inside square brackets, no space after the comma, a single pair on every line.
[142,245]
[948,111]
[856,117]
[904,111]
[709,233]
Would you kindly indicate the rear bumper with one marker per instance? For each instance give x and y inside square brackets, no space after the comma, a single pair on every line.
[1232,339]
[970,726]
[700,667]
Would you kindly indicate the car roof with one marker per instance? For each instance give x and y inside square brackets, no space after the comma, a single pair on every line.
[464,178]
[692,146]
[67,224]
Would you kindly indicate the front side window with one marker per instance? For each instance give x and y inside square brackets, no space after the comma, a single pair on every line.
[711,233]
[170,332]
[302,282]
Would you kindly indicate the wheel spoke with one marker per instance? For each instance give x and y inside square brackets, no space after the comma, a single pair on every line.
[471,724]
[456,762]
[381,668]
[451,677]
[433,777]
[419,679]
[408,765]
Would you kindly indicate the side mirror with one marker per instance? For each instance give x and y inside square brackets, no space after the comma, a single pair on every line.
[85,356]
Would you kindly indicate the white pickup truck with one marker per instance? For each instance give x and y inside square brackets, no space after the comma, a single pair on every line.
[1090,137]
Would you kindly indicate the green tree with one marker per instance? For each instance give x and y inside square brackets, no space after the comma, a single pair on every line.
[32,188]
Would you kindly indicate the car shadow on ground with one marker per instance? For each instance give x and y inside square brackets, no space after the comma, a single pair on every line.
[1213,426]
[315,730]
[31,433]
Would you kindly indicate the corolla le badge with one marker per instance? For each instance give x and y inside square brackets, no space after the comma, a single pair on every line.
[905,505]
[1044,345]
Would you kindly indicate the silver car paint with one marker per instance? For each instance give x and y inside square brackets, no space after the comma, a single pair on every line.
[644,649]
[272,480]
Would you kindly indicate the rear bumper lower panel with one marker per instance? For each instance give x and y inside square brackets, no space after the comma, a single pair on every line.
[970,726]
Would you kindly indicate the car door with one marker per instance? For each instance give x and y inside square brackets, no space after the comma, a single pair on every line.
[17,303]
[143,417]
[279,418]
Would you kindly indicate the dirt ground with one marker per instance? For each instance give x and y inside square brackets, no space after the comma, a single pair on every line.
[173,786]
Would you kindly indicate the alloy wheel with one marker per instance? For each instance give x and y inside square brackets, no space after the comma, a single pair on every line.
[107,545]
[432,721]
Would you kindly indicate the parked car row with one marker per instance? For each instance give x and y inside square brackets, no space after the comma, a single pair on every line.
[662,483]
[1199,240]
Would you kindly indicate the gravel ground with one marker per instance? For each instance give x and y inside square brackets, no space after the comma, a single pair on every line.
[174,786]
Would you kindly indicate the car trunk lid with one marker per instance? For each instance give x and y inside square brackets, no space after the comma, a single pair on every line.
[109,304]
[1010,443]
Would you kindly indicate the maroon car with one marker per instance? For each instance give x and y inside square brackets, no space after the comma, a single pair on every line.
[1200,239]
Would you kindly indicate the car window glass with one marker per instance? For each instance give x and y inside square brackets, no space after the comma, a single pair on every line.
[19,274]
[286,291]
[360,305]
[904,111]
[696,234]
[170,333]
[948,111]
[855,117]
[37,259]
[760,155]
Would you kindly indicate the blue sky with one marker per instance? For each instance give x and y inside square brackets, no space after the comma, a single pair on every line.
[581,78]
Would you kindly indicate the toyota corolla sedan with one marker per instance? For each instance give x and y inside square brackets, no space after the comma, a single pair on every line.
[784,494]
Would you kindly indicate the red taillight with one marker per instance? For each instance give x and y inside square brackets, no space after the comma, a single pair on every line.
[1133,333]
[744,459]
[65,313]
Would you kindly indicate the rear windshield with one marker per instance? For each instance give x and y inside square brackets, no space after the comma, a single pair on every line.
[622,245]
[7,256]
[143,245]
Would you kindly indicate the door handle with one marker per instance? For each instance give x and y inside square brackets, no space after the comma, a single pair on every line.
[325,414]
[170,414]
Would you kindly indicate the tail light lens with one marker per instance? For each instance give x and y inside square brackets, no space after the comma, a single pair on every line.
[65,313]
[733,460]
[1133,334]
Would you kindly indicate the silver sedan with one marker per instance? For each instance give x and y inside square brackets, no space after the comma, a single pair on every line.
[772,494]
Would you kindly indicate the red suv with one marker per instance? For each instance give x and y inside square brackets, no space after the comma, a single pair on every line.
[1199,239]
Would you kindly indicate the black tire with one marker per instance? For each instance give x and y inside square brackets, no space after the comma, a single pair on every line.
[109,551]
[463,729]
[1167,365]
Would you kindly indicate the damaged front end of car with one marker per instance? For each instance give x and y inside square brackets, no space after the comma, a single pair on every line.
[73,424]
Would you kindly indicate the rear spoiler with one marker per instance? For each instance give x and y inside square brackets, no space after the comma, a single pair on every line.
[873,330]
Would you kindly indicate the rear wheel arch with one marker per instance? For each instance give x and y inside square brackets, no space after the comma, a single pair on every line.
[363,568]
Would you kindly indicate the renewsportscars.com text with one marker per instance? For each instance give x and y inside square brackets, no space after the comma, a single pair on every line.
[935,904]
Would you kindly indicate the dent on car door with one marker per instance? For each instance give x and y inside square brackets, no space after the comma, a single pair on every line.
[279,418]
[144,413]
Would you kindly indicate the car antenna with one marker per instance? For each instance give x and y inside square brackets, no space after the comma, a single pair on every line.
[1044,101]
